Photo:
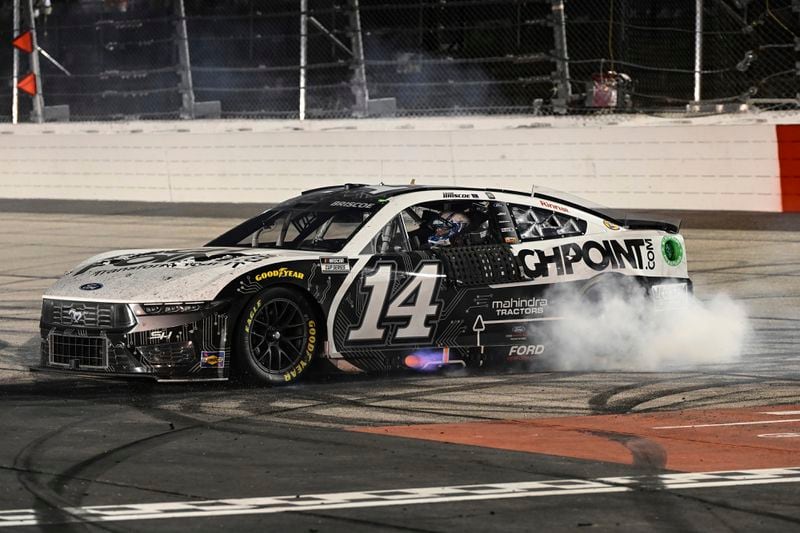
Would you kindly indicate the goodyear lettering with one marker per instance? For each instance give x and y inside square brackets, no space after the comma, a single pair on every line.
[312,339]
[282,272]
[637,254]
[307,356]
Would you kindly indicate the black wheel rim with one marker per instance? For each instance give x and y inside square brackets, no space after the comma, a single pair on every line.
[278,336]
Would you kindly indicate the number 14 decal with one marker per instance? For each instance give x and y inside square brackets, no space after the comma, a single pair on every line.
[412,308]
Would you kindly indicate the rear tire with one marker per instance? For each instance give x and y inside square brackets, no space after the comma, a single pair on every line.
[277,336]
[617,285]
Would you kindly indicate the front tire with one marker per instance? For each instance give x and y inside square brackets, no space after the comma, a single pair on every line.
[277,336]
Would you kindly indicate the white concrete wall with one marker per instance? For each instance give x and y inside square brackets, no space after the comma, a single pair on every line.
[641,163]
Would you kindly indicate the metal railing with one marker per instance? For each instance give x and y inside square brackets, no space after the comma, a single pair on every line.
[169,59]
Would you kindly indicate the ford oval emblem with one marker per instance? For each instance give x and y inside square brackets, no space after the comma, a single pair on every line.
[91,286]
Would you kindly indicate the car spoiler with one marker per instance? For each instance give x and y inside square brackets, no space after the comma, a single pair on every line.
[641,223]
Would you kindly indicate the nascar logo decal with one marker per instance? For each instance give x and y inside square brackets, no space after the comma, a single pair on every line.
[639,254]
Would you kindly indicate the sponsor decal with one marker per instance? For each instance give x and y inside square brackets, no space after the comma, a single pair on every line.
[459,195]
[91,286]
[356,205]
[77,316]
[672,250]
[334,265]
[282,272]
[611,226]
[170,259]
[308,353]
[524,351]
[637,254]
[553,207]
[670,295]
[252,315]
[669,291]
[510,240]
[212,359]
[518,332]
[519,306]
[160,335]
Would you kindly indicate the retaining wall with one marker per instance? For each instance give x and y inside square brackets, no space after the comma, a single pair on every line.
[747,162]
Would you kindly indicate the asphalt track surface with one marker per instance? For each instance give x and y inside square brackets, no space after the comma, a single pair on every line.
[507,451]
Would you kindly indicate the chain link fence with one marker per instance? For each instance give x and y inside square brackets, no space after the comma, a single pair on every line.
[167,59]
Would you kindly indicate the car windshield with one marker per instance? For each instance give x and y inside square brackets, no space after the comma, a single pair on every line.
[300,227]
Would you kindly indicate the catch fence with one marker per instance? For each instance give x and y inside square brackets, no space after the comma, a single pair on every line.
[169,59]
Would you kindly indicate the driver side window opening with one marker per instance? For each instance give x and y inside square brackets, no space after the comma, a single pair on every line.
[535,224]
[391,239]
[448,223]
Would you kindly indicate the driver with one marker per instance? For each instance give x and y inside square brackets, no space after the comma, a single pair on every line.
[448,229]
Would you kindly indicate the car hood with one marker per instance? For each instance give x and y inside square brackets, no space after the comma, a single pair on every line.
[181,275]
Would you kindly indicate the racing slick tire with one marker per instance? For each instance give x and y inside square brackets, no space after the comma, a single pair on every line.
[602,287]
[277,336]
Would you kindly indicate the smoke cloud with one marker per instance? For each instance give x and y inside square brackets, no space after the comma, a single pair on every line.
[616,328]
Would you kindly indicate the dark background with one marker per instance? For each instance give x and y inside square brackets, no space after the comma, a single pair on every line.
[436,57]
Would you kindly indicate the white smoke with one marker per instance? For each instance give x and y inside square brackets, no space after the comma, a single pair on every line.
[620,329]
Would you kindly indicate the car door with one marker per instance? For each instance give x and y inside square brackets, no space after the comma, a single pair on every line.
[393,304]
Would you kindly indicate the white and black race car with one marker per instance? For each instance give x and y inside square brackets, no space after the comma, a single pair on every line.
[358,277]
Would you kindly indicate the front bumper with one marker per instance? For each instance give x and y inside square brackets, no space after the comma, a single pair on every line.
[180,347]
[122,376]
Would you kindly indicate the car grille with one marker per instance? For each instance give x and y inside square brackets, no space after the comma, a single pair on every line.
[78,352]
[87,314]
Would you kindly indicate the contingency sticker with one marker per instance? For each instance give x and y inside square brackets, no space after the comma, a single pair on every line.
[212,359]
[334,265]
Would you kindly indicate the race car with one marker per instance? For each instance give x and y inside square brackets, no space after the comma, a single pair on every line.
[359,278]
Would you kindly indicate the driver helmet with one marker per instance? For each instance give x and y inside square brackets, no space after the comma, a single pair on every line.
[448,226]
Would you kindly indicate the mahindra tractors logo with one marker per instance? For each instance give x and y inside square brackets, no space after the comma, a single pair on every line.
[76,316]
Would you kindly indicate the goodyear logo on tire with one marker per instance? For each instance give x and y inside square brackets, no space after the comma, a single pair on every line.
[305,360]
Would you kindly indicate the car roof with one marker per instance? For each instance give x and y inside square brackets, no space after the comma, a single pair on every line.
[364,192]
[371,194]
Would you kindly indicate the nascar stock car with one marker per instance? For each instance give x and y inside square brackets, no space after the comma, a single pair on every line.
[355,277]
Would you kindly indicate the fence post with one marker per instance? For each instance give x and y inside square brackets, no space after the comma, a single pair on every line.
[301,107]
[562,58]
[15,69]
[698,49]
[38,99]
[185,68]
[359,82]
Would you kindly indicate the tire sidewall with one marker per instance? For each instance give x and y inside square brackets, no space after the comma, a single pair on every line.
[245,359]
